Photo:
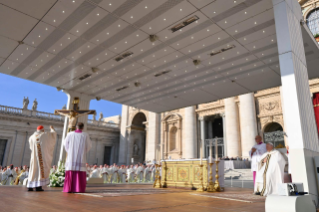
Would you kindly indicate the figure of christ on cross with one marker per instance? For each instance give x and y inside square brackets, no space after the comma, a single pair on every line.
[74,114]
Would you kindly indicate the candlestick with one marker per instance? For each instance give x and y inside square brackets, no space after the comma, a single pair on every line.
[210,187]
[157,182]
[216,186]
[201,187]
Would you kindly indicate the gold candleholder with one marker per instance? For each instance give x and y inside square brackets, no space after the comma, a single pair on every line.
[157,182]
[211,187]
[201,187]
[216,186]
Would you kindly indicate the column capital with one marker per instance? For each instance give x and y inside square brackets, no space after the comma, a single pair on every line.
[201,118]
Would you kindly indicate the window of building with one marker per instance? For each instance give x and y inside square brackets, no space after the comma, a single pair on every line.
[313,21]
[3,144]
[172,139]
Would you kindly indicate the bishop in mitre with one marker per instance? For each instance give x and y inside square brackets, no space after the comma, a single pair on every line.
[270,171]
[42,147]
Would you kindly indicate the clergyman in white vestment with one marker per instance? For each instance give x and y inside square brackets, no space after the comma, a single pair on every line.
[42,147]
[76,144]
[255,153]
[270,171]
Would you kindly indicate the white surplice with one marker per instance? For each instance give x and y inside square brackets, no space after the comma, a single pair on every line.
[42,147]
[115,174]
[122,175]
[95,174]
[260,150]
[77,144]
[271,173]
[130,175]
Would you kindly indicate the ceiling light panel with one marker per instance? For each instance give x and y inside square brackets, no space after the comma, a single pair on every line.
[109,32]
[217,8]
[89,21]
[39,33]
[20,53]
[198,36]
[249,24]
[242,15]
[214,41]
[143,47]
[262,43]
[8,66]
[62,43]
[111,5]
[42,60]
[142,9]
[169,18]
[127,69]
[85,48]
[7,46]
[128,41]
[47,74]
[27,7]
[100,58]
[22,23]
[166,34]
[55,15]
[156,56]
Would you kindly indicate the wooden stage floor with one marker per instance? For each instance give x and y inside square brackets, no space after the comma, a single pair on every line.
[132,197]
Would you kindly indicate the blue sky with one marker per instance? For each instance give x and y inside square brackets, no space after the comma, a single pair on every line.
[13,90]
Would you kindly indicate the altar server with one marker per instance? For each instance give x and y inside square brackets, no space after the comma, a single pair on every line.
[42,147]
[270,171]
[115,174]
[76,144]
[105,173]
[255,153]
[95,173]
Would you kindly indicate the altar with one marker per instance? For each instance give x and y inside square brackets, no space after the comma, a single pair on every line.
[185,173]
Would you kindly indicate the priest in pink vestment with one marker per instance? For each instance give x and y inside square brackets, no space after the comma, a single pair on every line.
[76,144]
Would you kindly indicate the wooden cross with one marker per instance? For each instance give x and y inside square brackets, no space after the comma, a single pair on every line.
[74,113]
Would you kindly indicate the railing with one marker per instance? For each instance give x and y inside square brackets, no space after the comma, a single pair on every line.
[14,110]
[102,123]
[45,115]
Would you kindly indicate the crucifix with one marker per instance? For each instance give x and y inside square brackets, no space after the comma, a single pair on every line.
[74,113]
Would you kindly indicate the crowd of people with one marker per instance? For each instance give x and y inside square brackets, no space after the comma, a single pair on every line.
[11,175]
[138,173]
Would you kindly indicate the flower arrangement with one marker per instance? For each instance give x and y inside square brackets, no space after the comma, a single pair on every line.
[57,177]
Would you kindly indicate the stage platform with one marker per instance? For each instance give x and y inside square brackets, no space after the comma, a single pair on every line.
[129,198]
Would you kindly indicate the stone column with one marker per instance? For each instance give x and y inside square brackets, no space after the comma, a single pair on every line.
[202,137]
[123,135]
[232,128]
[210,129]
[189,139]
[84,104]
[248,122]
[152,135]
[298,110]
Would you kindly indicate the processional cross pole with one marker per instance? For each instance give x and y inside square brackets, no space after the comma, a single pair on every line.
[73,114]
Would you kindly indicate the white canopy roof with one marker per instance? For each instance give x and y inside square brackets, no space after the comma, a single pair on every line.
[61,41]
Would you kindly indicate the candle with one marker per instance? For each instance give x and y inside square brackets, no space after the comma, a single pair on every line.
[132,160]
[216,149]
[201,157]
[211,153]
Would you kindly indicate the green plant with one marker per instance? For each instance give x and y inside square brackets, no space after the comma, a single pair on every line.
[57,178]
[316,35]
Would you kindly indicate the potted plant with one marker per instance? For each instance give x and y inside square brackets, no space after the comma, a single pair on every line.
[317,37]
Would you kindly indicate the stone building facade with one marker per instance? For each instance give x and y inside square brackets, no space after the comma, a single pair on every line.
[17,125]
[180,133]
